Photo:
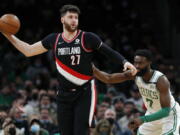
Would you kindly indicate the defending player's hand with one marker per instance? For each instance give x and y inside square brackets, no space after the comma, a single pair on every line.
[135,123]
[128,65]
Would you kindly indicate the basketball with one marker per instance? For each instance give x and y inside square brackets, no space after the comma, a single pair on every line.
[9,23]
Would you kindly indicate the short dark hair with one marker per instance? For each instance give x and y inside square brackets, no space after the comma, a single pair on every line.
[145,53]
[70,8]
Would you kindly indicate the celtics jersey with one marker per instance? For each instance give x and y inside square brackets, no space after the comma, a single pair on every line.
[150,93]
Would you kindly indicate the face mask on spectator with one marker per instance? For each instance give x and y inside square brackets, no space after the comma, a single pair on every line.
[12,131]
[111,121]
[35,128]
[45,106]
[34,96]
[45,121]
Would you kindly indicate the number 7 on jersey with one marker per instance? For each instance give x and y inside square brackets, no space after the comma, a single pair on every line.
[150,102]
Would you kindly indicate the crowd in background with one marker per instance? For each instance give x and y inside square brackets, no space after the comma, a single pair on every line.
[28,86]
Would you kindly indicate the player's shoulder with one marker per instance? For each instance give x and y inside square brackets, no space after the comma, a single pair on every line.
[156,76]
[52,35]
[161,78]
[159,73]
[88,33]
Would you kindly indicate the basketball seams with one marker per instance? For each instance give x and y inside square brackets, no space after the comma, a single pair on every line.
[8,24]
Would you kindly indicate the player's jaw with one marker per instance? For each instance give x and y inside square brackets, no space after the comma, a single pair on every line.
[143,71]
[70,27]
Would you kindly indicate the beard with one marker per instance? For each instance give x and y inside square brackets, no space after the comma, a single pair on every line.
[70,28]
[142,72]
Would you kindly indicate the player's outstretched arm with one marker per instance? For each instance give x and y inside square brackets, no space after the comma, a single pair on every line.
[93,42]
[112,78]
[27,49]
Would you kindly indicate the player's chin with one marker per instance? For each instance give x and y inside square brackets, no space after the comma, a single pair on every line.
[73,29]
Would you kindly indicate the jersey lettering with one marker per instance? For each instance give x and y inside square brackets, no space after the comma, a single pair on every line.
[148,93]
[69,50]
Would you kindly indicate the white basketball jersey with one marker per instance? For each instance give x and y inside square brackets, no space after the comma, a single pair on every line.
[150,93]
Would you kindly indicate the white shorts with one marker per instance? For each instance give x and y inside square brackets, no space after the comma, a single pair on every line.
[166,126]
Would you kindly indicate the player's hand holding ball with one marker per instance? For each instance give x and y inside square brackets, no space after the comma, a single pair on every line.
[9,24]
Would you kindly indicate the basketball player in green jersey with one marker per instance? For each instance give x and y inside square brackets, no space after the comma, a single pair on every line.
[163,112]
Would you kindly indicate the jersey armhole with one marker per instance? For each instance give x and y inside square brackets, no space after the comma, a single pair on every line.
[135,79]
[83,44]
[157,81]
[55,44]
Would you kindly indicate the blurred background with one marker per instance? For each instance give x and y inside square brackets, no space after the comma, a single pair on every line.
[125,25]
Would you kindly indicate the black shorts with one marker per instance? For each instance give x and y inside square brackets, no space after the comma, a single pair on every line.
[76,109]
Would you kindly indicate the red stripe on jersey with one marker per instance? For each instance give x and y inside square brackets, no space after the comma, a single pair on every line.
[67,40]
[83,45]
[72,72]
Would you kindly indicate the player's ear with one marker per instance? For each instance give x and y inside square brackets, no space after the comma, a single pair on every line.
[62,19]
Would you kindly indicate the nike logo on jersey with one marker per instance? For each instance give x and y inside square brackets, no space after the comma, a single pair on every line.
[69,50]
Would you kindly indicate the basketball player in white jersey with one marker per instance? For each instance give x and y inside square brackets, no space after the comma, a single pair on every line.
[163,112]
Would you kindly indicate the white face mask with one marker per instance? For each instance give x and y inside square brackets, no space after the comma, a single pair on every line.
[35,128]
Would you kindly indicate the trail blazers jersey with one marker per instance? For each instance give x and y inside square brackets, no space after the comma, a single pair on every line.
[72,59]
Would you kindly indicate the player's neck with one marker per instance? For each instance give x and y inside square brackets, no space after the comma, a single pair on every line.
[69,35]
[148,75]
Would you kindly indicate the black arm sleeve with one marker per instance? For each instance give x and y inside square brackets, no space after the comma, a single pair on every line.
[49,41]
[92,41]
[112,54]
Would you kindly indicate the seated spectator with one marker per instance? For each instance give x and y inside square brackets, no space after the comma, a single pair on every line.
[36,128]
[9,128]
[136,98]
[118,104]
[110,115]
[123,122]
[47,122]
[20,119]
[103,127]
[100,111]
[45,103]
[3,115]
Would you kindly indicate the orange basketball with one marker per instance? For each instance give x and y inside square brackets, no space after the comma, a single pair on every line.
[9,23]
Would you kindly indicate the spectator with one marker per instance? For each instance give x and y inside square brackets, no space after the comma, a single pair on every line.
[118,104]
[103,128]
[100,111]
[123,122]
[136,98]
[9,128]
[47,122]
[110,115]
[36,129]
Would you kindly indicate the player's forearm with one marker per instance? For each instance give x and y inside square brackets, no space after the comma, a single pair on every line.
[102,76]
[110,78]
[20,45]
[164,112]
